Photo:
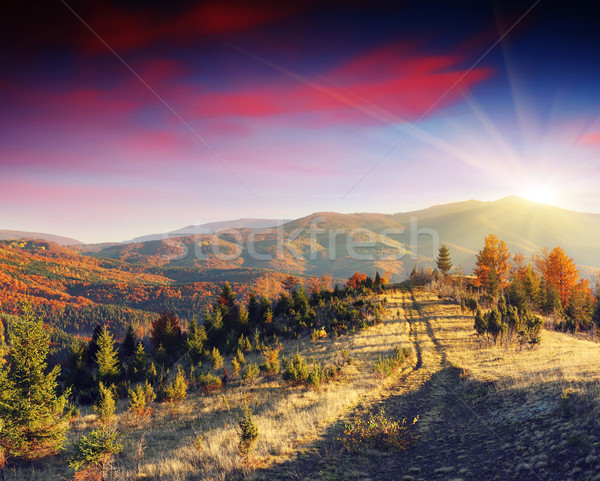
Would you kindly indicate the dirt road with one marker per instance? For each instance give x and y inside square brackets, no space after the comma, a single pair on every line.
[460,437]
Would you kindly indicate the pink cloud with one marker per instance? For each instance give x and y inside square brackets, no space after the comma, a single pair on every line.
[389,84]
[591,139]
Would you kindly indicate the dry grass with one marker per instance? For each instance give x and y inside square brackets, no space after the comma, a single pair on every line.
[561,364]
[288,417]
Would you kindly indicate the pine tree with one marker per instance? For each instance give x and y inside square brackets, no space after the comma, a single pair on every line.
[166,330]
[195,341]
[105,405]
[77,371]
[243,319]
[93,344]
[32,415]
[444,263]
[106,357]
[139,363]
[129,343]
[227,296]
[253,309]
[215,329]
[177,390]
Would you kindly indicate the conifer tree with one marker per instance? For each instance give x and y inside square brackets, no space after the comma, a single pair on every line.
[444,263]
[227,296]
[166,330]
[105,405]
[93,344]
[243,319]
[129,343]
[253,309]
[177,390]
[106,357]
[195,341]
[32,416]
[77,370]
[139,363]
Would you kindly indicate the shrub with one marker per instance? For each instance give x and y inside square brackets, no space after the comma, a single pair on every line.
[472,304]
[93,453]
[177,390]
[141,399]
[239,356]
[250,373]
[384,367]
[318,334]
[296,369]
[318,374]
[244,344]
[247,433]
[105,406]
[216,359]
[377,431]
[198,442]
[208,381]
[271,365]
[235,367]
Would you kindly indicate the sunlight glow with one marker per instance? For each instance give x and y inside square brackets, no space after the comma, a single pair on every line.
[540,193]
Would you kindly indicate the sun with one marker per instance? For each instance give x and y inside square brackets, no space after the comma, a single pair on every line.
[540,193]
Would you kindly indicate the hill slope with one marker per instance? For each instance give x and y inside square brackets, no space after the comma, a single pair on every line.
[19,234]
[211,228]
[340,244]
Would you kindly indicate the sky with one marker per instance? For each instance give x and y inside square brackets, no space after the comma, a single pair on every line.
[121,119]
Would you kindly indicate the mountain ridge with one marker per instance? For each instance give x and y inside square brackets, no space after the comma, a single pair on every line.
[326,242]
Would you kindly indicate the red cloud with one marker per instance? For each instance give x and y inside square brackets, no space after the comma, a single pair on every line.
[125,30]
[387,85]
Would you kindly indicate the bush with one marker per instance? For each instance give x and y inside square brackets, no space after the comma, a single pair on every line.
[296,369]
[244,344]
[235,367]
[319,374]
[239,356]
[215,358]
[208,381]
[377,431]
[105,406]
[318,334]
[250,373]
[271,365]
[384,367]
[177,390]
[247,433]
[141,399]
[93,453]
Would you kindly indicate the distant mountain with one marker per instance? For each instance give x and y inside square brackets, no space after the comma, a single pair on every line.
[18,234]
[326,242]
[212,227]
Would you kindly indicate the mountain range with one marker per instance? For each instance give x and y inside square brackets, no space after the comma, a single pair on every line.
[326,242]
[19,234]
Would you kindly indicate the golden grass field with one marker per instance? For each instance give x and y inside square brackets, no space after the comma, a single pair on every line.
[452,378]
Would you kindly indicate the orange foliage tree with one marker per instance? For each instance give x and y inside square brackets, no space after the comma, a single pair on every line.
[493,265]
[558,270]
[356,281]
